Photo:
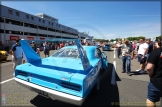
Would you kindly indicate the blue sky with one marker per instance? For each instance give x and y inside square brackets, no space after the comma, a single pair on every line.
[106,20]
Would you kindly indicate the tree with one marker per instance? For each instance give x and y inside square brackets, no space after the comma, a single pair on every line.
[135,38]
[158,38]
[111,40]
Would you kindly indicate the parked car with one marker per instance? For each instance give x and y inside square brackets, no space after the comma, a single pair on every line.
[3,55]
[106,47]
[68,75]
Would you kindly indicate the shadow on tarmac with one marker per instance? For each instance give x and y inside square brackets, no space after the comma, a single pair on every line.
[137,73]
[107,96]
[5,61]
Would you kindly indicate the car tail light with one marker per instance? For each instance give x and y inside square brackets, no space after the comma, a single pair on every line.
[71,86]
[22,73]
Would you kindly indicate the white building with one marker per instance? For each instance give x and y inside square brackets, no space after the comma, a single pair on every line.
[15,24]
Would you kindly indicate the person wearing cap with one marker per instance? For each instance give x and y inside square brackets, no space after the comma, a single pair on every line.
[17,54]
[127,55]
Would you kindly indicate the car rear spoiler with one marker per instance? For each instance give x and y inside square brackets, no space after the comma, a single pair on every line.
[83,56]
[31,55]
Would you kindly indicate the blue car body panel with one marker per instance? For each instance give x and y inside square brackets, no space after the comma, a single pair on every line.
[73,76]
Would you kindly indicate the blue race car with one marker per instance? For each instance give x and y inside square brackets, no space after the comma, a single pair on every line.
[106,47]
[69,75]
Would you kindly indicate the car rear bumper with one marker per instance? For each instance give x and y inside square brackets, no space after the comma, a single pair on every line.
[53,94]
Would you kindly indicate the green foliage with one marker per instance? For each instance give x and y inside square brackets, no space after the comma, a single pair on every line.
[158,38]
[128,38]
[101,40]
[135,38]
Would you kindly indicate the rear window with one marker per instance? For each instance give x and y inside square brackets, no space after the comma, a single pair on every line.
[68,53]
[107,45]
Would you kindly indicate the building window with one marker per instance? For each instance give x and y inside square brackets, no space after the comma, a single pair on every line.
[27,16]
[49,23]
[14,22]
[33,34]
[25,33]
[1,31]
[17,32]
[52,23]
[1,19]
[32,18]
[10,11]
[43,21]
[17,13]
[39,20]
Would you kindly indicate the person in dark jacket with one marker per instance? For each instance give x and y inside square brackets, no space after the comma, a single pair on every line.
[46,49]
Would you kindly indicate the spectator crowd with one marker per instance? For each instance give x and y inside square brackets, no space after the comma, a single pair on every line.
[147,52]
[149,55]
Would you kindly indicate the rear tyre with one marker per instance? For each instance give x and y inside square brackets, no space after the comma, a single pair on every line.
[96,88]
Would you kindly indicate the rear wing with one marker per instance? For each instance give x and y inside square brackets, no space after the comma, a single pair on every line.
[32,56]
[83,56]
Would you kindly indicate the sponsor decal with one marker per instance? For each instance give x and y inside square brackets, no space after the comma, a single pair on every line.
[30,38]
[42,38]
[14,37]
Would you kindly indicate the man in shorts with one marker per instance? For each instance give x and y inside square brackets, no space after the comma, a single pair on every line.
[154,69]
[142,51]
[17,54]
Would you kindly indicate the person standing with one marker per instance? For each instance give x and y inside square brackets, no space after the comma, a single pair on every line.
[158,44]
[119,46]
[17,54]
[38,51]
[143,48]
[33,45]
[150,47]
[137,46]
[46,49]
[127,55]
[154,69]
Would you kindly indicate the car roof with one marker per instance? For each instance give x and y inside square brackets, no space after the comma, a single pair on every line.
[89,49]
[85,47]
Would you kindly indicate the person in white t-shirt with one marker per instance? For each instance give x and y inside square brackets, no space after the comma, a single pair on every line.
[142,51]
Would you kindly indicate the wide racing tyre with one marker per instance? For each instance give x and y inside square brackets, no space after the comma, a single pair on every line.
[96,88]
